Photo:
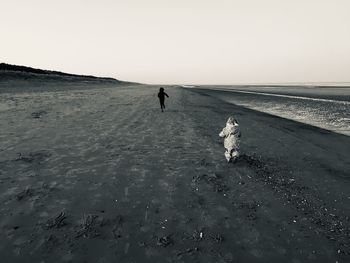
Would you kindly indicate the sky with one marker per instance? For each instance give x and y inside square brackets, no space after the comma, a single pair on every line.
[181,41]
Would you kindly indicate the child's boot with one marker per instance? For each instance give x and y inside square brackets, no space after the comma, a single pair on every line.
[228,156]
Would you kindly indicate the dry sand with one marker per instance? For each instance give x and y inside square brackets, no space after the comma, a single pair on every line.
[101,175]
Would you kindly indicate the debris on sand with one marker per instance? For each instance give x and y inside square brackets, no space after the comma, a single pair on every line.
[164,241]
[57,221]
[215,180]
[249,208]
[38,114]
[218,238]
[198,235]
[333,227]
[87,226]
[188,251]
[250,205]
[118,224]
[37,157]
[27,193]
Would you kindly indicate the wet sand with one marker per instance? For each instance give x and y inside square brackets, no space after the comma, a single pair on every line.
[101,175]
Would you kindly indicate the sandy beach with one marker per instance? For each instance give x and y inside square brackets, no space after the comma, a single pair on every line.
[101,175]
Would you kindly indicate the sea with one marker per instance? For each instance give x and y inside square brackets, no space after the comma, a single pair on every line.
[323,107]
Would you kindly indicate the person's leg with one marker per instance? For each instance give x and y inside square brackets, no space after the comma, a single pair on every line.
[234,155]
[228,155]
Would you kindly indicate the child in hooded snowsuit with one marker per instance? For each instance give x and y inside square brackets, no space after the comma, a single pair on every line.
[232,135]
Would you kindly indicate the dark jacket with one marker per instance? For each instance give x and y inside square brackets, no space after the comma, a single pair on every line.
[161,95]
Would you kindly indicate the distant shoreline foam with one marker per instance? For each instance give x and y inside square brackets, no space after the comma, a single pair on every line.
[329,114]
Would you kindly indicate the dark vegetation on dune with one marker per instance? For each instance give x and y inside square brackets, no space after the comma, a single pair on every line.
[23,69]
[13,76]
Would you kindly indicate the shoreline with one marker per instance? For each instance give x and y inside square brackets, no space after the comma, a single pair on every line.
[324,113]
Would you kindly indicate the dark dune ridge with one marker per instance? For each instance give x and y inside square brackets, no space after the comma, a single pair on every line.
[23,78]
[25,69]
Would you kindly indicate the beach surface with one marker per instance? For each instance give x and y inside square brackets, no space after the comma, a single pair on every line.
[101,175]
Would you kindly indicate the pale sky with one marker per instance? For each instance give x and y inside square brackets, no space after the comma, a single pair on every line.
[181,41]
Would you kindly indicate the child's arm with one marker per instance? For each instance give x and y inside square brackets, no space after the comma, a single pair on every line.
[222,133]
